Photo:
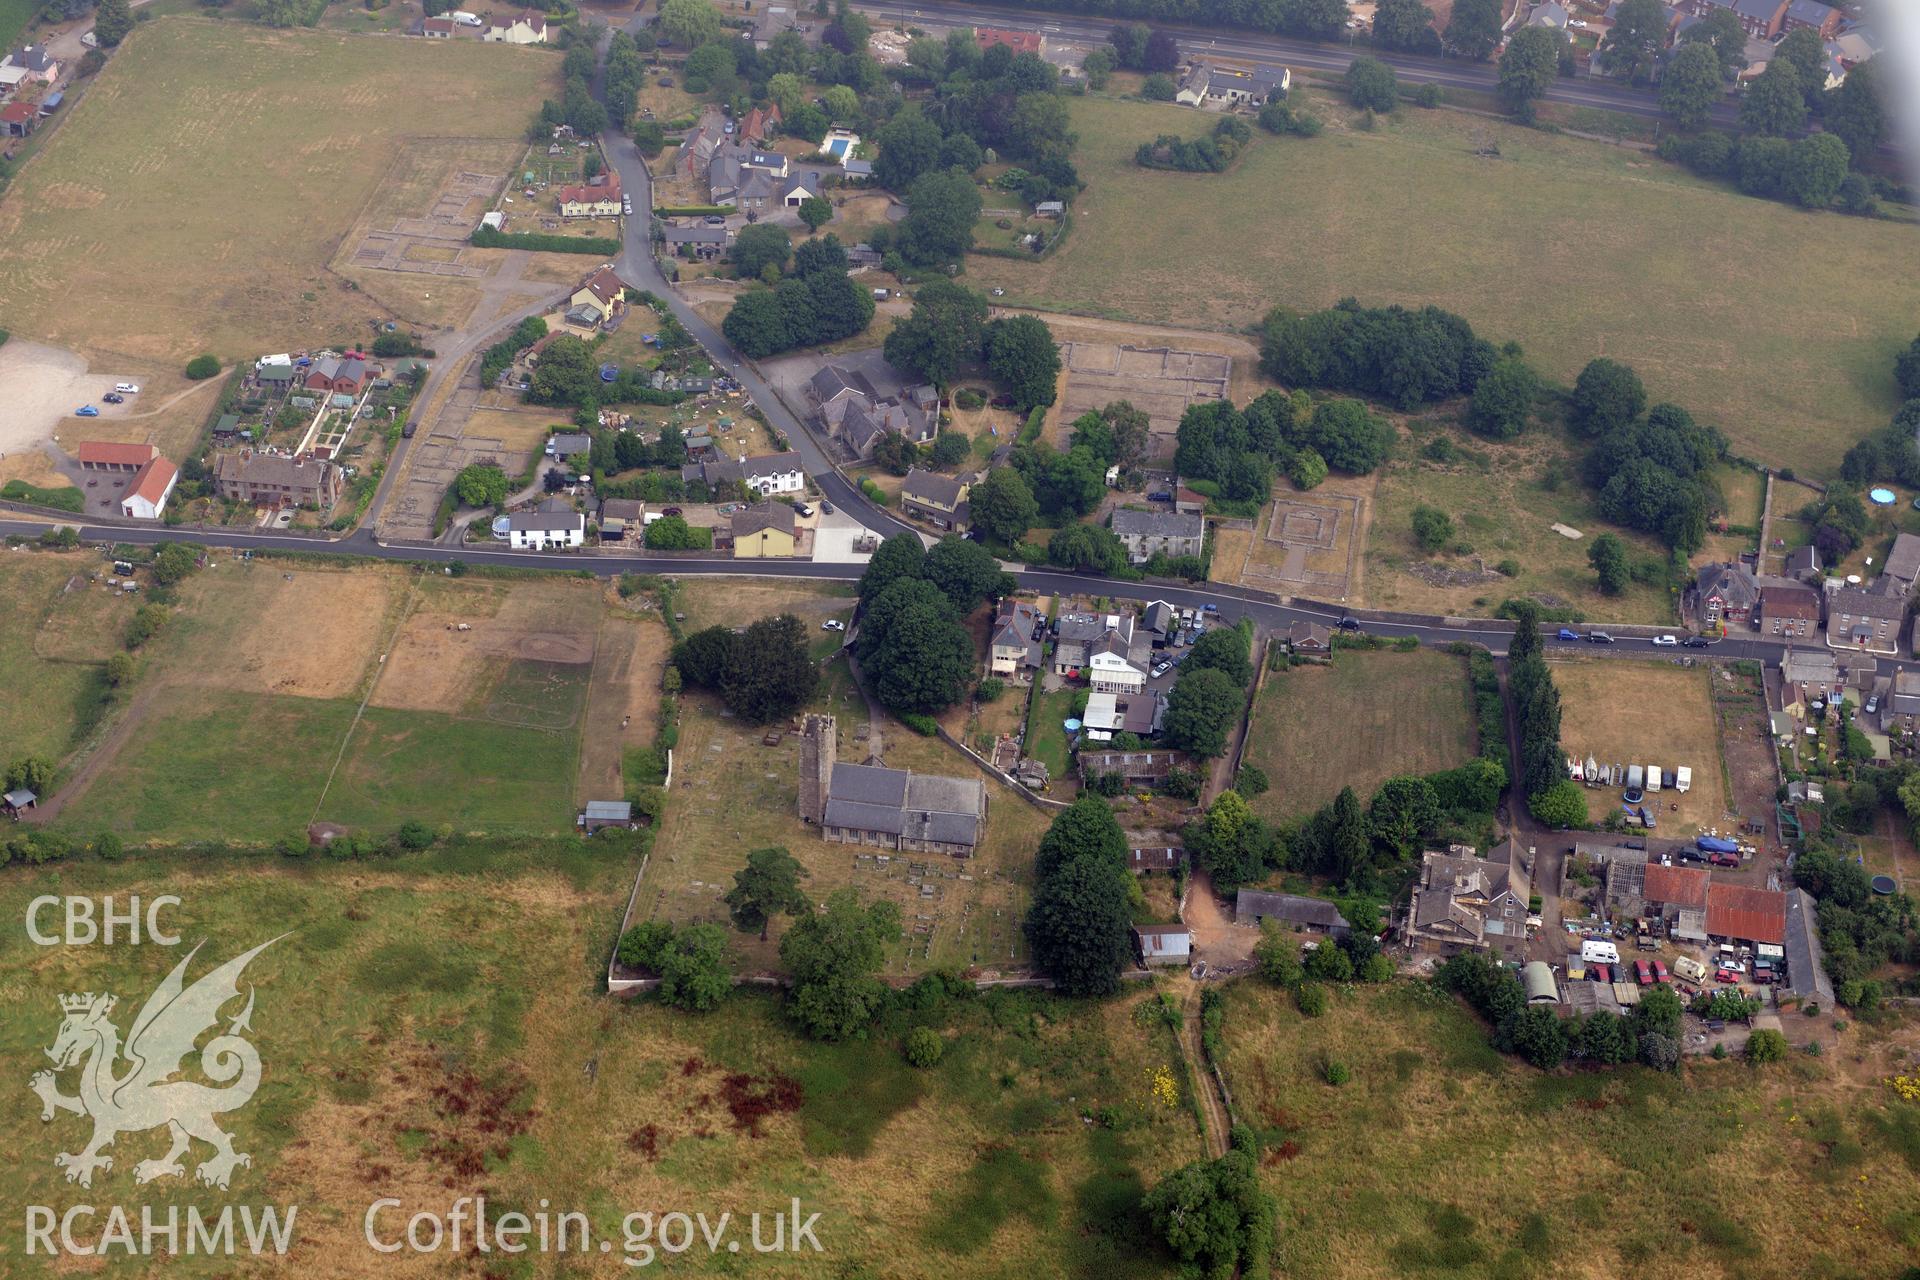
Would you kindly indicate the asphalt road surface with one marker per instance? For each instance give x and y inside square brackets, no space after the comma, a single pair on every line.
[1308,54]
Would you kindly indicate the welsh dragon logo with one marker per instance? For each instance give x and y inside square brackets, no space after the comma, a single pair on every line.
[143,1094]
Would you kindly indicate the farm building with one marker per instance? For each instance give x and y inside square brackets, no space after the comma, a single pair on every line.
[146,497]
[1463,902]
[1139,768]
[1305,915]
[1164,858]
[1537,979]
[107,458]
[1162,944]
[17,802]
[1741,914]
[1806,962]
[601,814]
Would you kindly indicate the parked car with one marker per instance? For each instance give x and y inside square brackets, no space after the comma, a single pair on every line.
[127,388]
[827,507]
[802,509]
[714,220]
[999,293]
[1725,975]
[1159,497]
[1348,624]
[86,411]
[1161,668]
[1659,971]
[1599,637]
[1642,972]
[406,432]
[1666,642]
[670,511]
[114,397]
[1600,973]
[1723,859]
[1567,634]
[833,624]
[1210,607]
[1697,642]
[1873,703]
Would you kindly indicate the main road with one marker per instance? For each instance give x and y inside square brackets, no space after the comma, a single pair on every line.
[1197,41]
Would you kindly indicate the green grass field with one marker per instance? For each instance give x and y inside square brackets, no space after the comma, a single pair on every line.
[218,164]
[1441,1158]
[54,693]
[206,763]
[14,17]
[1389,714]
[1777,325]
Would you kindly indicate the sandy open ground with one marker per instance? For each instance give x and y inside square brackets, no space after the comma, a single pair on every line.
[41,386]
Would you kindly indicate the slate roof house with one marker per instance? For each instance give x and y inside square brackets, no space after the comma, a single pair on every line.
[1867,621]
[275,479]
[617,514]
[598,197]
[937,499]
[770,473]
[870,804]
[1310,639]
[857,415]
[337,375]
[1149,533]
[1466,903]
[36,62]
[700,240]
[1211,84]
[1012,648]
[1160,621]
[1100,647]
[1725,594]
[1109,713]
[1806,962]
[526,27]
[1307,915]
[1803,563]
[1806,674]
[546,530]
[1902,566]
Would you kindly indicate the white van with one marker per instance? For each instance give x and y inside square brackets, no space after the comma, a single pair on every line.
[466,19]
[1653,777]
[1596,952]
[1690,969]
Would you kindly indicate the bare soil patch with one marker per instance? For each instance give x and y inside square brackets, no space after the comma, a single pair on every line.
[435,666]
[310,634]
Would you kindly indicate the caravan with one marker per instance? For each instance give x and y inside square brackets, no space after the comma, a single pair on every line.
[1594,951]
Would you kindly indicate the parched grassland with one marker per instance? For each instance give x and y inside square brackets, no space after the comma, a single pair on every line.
[733,793]
[1566,246]
[1367,718]
[1504,500]
[431,1028]
[199,189]
[1646,713]
[1439,1157]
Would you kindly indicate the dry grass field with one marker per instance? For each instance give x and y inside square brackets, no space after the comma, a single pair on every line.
[218,165]
[50,651]
[1646,713]
[434,666]
[1441,1158]
[622,702]
[733,793]
[262,627]
[1740,327]
[1503,509]
[1396,713]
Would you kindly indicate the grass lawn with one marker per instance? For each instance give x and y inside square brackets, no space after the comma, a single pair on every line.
[1398,713]
[1646,713]
[1409,214]
[1439,1157]
[14,17]
[229,230]
[55,692]
[1049,745]
[1504,500]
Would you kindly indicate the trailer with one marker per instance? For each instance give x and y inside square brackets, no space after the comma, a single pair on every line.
[1635,777]
[1653,777]
[1683,779]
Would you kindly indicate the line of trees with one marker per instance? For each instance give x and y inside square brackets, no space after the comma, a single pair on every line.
[1079,923]
[1649,1033]
[1552,796]
[1210,153]
[1233,454]
[1406,358]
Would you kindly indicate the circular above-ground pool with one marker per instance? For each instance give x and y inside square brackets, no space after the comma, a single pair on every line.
[1882,497]
[1883,884]
[1071,726]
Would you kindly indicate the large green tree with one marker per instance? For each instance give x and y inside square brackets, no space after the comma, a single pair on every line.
[1606,396]
[916,655]
[1502,403]
[1003,506]
[1857,113]
[1201,712]
[1720,30]
[1806,52]
[966,573]
[1023,357]
[1084,829]
[1223,649]
[1608,556]
[833,957]
[690,22]
[909,147]
[902,555]
[693,968]
[1372,85]
[941,211]
[1079,926]
[1633,45]
[1404,24]
[1773,105]
[769,673]
[1691,85]
[1215,1216]
[769,885]
[1816,166]
[1474,29]
[942,335]
[112,21]
[1528,67]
